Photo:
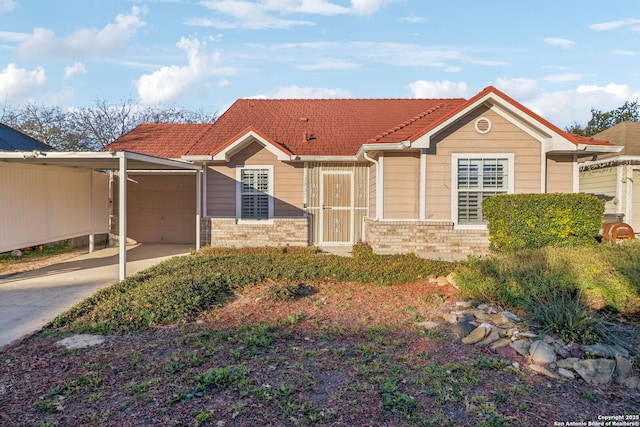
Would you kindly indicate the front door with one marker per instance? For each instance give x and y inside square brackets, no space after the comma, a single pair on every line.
[337,208]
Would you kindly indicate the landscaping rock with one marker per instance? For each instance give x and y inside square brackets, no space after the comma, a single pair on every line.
[542,353]
[624,368]
[604,350]
[81,341]
[566,373]
[521,346]
[567,363]
[595,371]
[462,329]
[632,382]
[493,336]
[478,334]
[502,342]
[544,371]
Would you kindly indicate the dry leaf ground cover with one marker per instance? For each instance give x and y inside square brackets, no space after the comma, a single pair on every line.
[292,343]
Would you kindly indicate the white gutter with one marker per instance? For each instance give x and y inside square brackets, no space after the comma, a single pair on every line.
[599,148]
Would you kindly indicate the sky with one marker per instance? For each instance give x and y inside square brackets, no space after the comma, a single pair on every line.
[560,58]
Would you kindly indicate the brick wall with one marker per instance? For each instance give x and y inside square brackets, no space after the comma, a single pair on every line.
[425,238]
[275,232]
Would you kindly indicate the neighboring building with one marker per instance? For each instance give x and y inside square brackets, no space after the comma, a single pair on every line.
[404,175]
[615,177]
[12,140]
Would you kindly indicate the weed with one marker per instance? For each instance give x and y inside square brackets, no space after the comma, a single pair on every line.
[489,364]
[287,291]
[203,417]
[49,406]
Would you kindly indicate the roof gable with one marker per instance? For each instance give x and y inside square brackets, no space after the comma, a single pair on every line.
[519,114]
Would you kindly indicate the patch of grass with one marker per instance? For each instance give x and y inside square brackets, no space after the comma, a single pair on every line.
[183,288]
[561,289]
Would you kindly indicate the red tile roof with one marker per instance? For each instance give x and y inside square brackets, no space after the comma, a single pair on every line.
[314,127]
[324,126]
[162,140]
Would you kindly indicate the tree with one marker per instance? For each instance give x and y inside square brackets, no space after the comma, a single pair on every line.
[91,128]
[628,112]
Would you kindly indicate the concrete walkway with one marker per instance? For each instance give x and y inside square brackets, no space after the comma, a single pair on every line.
[30,300]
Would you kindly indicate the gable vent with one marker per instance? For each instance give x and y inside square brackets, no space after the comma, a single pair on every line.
[483,125]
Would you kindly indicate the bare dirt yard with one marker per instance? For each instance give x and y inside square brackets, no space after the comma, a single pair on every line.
[343,355]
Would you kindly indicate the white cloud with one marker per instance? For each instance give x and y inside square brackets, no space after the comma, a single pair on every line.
[413,19]
[249,15]
[75,69]
[296,92]
[171,82]
[85,42]
[566,107]
[621,52]
[13,37]
[614,25]
[368,7]
[328,65]
[564,43]
[518,88]
[263,14]
[564,77]
[16,84]
[7,6]
[443,89]
[222,83]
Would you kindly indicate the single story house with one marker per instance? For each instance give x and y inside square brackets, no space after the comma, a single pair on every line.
[616,176]
[403,175]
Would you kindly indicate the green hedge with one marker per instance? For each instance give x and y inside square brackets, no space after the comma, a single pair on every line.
[531,221]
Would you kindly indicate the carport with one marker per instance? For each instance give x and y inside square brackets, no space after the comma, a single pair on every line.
[50,196]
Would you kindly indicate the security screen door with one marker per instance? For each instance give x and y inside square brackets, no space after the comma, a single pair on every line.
[337,207]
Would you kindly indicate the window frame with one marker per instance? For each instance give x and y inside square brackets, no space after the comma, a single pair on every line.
[510,178]
[269,192]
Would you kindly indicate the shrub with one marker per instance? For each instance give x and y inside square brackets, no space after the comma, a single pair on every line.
[531,221]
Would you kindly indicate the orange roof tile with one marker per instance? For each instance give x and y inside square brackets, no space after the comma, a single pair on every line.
[313,127]
[334,127]
[160,139]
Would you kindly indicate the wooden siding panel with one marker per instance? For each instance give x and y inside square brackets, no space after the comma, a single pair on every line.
[559,174]
[401,185]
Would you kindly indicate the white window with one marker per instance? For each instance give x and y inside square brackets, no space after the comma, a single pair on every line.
[254,195]
[476,177]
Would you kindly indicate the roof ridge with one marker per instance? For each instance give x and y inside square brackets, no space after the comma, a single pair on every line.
[199,138]
[406,123]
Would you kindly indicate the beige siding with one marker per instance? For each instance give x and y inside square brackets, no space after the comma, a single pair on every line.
[42,204]
[401,185]
[634,217]
[288,184]
[504,137]
[559,174]
[602,183]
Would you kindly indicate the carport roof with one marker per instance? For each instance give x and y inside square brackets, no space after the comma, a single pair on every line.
[104,160]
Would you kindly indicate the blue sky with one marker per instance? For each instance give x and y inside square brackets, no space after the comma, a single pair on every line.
[560,58]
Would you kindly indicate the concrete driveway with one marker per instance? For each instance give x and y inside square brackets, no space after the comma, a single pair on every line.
[28,301]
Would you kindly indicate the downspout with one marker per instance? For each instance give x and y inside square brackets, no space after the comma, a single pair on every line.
[375,162]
